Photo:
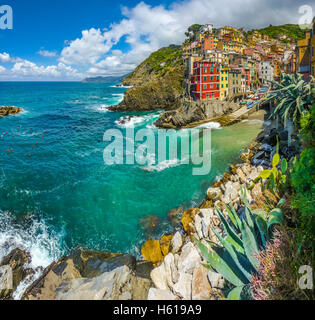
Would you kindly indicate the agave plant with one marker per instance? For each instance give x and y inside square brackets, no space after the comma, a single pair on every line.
[237,261]
[293,96]
[275,177]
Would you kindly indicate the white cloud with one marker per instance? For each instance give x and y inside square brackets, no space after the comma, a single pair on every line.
[147,28]
[5,57]
[46,53]
[27,70]
[86,50]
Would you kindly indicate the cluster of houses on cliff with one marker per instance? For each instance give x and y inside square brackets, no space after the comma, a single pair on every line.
[305,53]
[228,62]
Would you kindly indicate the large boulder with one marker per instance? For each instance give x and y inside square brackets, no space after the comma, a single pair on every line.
[158,276]
[188,259]
[93,263]
[176,242]
[117,284]
[183,287]
[165,244]
[151,251]
[188,218]
[201,289]
[13,269]
[44,288]
[158,294]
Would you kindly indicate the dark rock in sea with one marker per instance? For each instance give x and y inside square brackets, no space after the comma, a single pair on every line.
[149,223]
[5,111]
[175,216]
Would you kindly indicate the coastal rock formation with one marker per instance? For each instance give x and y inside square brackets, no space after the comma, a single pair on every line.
[93,275]
[5,111]
[118,284]
[191,114]
[13,270]
[192,280]
[151,251]
[157,82]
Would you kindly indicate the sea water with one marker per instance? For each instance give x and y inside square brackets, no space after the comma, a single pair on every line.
[55,190]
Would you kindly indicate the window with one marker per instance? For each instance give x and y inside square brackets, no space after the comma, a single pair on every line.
[205,70]
[211,86]
[218,70]
[211,70]
[222,78]
[222,86]
[205,87]
[211,78]
[205,79]
[218,86]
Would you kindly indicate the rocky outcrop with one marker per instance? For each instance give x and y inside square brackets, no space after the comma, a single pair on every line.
[13,269]
[5,111]
[118,284]
[93,275]
[157,83]
[191,114]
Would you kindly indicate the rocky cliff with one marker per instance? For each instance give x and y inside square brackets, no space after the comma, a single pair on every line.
[194,113]
[157,82]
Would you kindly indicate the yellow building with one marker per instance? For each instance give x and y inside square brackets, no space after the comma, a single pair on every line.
[224,82]
[303,53]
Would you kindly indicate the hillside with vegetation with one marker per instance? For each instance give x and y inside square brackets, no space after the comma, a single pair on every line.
[290,30]
[157,82]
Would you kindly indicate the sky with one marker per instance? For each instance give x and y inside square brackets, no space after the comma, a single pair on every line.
[66,40]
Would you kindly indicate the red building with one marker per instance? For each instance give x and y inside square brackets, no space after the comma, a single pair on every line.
[205,81]
[247,78]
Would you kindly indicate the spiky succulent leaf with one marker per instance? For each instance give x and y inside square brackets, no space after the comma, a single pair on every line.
[238,259]
[231,236]
[231,215]
[275,217]
[220,265]
[250,245]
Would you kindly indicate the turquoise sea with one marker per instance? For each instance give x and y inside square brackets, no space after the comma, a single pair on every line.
[55,190]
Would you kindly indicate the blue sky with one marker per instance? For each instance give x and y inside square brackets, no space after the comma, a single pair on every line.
[72,39]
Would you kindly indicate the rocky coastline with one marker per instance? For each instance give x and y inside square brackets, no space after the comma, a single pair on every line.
[192,114]
[6,111]
[173,267]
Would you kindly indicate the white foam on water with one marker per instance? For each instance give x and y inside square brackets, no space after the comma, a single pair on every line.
[102,108]
[166,164]
[43,245]
[127,87]
[210,125]
[135,121]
